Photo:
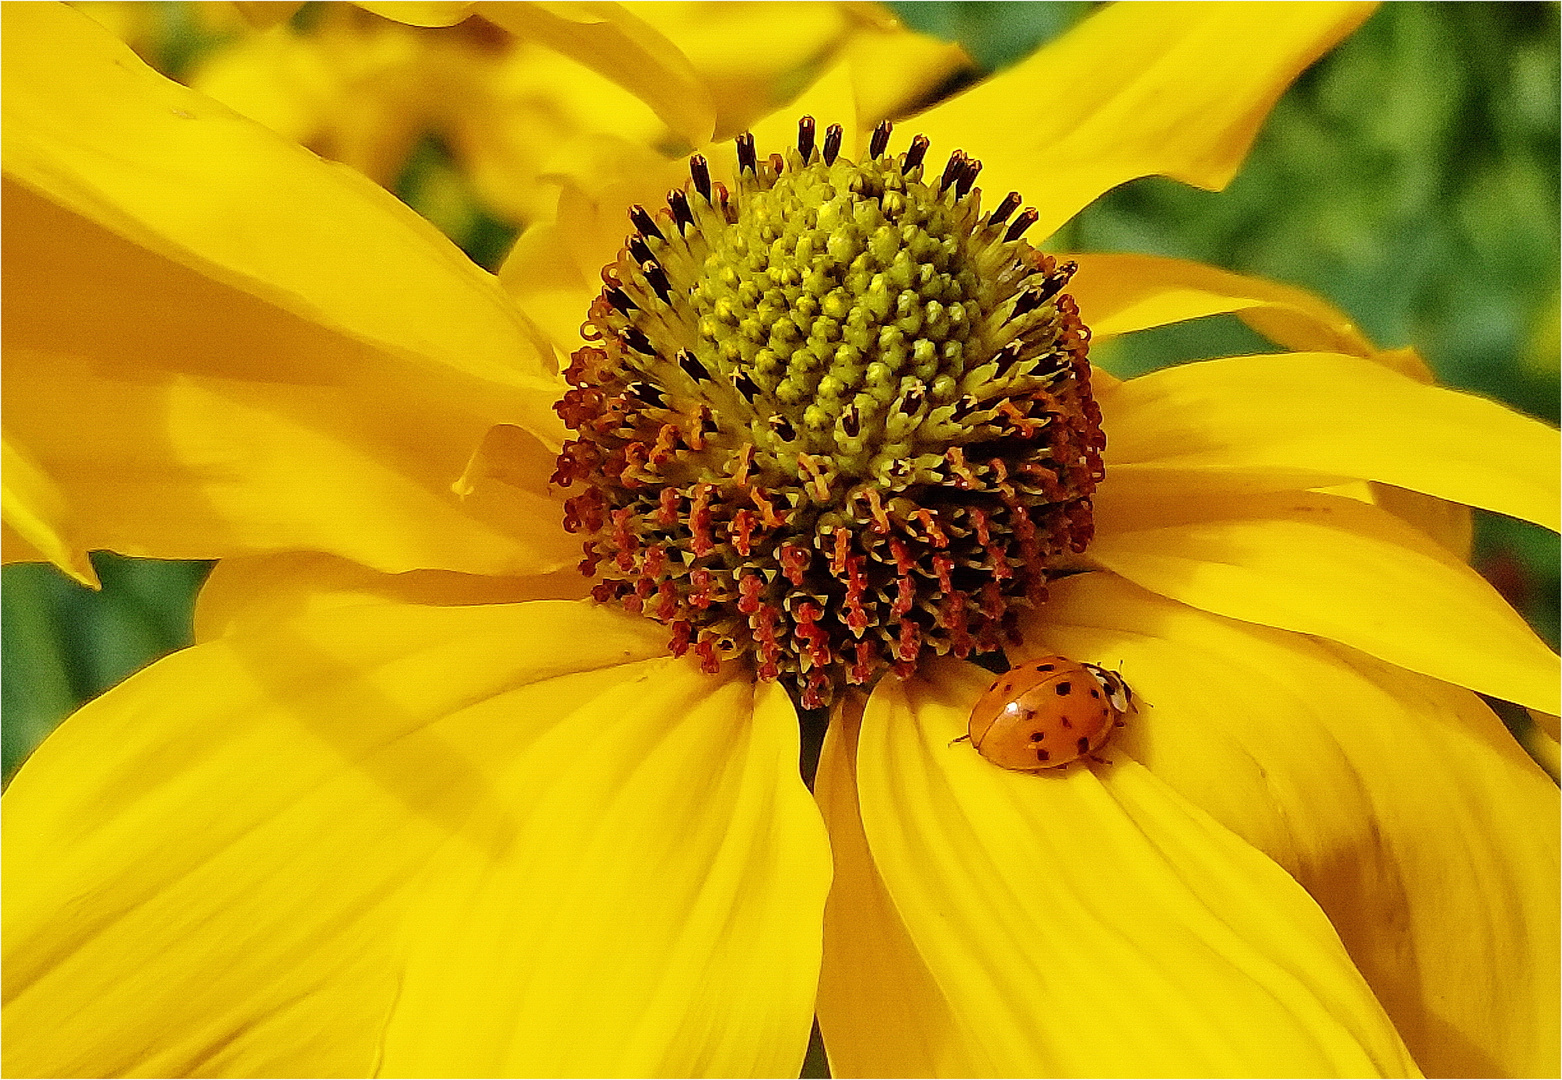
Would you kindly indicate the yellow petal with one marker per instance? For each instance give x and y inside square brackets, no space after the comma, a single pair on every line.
[1305,420]
[1175,90]
[1119,294]
[880,1010]
[754,57]
[1097,924]
[498,840]
[219,344]
[1400,803]
[1337,568]
[894,70]
[430,13]
[36,512]
[251,592]
[610,39]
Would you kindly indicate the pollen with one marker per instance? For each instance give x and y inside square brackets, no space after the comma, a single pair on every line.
[833,420]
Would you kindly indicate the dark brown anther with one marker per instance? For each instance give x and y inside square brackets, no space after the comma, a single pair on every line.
[656,277]
[967,178]
[1008,356]
[832,143]
[692,367]
[783,428]
[1059,278]
[699,170]
[805,138]
[912,399]
[1029,300]
[880,141]
[637,341]
[679,202]
[644,222]
[619,299]
[1021,223]
[915,155]
[648,393]
[747,162]
[851,423]
[640,250]
[746,385]
[952,170]
[1011,203]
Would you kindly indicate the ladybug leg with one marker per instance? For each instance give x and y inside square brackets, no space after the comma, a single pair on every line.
[963,738]
[1099,760]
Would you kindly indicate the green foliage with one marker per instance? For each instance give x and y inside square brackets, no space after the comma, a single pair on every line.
[63,644]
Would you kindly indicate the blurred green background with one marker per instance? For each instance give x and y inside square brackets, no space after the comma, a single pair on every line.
[1411,177]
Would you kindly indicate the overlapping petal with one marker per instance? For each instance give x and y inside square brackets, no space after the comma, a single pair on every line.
[413,840]
[1306,420]
[880,1010]
[1085,924]
[1399,802]
[1119,294]
[1169,89]
[1336,568]
[280,355]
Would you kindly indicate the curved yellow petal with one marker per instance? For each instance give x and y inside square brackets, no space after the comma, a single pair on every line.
[1337,568]
[895,70]
[218,344]
[430,13]
[251,592]
[880,1010]
[1167,89]
[35,511]
[613,41]
[1119,294]
[496,840]
[753,57]
[1399,802]
[1097,924]
[1305,420]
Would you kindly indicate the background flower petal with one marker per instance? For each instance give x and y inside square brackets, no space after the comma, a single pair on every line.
[1337,568]
[497,840]
[1399,802]
[1175,90]
[255,310]
[1303,420]
[1089,924]
[612,40]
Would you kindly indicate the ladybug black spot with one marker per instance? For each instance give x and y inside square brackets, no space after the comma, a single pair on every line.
[1095,693]
[1043,667]
[1083,744]
[1065,721]
[1042,755]
[1064,689]
[1037,736]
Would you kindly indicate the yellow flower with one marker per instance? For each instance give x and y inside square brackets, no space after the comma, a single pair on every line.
[412,807]
[507,90]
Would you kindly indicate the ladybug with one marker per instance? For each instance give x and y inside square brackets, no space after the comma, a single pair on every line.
[1048,713]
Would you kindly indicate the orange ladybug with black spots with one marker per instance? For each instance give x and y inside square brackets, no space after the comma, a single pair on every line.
[1048,713]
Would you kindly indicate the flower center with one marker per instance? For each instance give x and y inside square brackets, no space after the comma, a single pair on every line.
[833,421]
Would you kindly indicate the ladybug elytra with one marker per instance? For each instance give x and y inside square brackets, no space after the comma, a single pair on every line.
[1047,713]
